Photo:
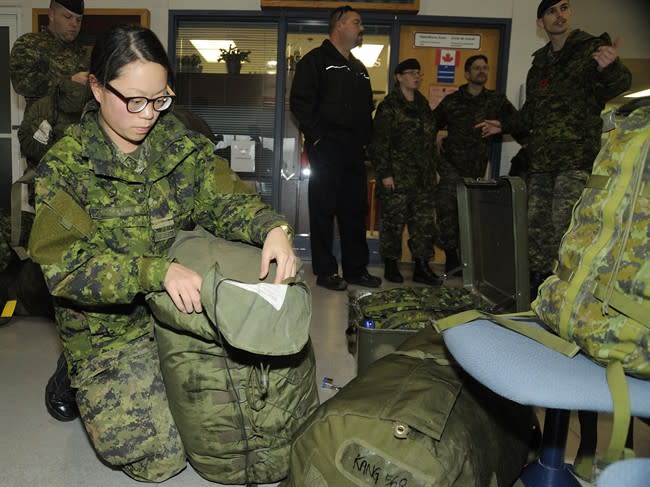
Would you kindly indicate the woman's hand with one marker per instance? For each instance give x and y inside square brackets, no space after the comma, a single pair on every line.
[278,247]
[184,287]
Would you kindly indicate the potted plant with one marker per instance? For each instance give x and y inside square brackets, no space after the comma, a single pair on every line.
[233,58]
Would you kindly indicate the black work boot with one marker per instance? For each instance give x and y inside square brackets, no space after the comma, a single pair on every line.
[59,394]
[423,273]
[391,271]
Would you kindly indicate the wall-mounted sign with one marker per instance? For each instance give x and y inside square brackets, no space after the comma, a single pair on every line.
[454,41]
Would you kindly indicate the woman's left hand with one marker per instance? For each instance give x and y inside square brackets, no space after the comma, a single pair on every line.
[278,247]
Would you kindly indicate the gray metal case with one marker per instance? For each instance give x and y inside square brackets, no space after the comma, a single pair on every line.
[493,224]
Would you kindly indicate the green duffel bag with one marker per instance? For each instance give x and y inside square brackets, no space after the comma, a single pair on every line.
[415,419]
[240,377]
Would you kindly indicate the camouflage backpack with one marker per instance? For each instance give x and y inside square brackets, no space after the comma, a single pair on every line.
[599,295]
[240,377]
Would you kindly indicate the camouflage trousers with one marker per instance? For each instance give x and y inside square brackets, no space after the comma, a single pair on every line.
[447,213]
[551,197]
[123,405]
[417,212]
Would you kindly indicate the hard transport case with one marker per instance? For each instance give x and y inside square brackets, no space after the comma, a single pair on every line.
[493,236]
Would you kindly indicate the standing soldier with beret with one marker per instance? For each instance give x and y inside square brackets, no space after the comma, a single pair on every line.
[45,64]
[571,79]
[402,150]
[42,61]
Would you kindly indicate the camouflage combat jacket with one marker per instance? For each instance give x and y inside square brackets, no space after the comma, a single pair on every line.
[565,95]
[39,62]
[403,142]
[464,148]
[102,230]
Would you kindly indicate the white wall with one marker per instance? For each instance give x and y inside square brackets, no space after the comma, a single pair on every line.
[625,18]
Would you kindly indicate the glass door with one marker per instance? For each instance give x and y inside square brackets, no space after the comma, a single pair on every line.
[10,115]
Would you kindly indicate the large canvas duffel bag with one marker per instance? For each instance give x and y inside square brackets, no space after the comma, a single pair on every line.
[414,418]
[240,377]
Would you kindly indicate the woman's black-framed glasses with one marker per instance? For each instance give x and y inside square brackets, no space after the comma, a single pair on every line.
[136,104]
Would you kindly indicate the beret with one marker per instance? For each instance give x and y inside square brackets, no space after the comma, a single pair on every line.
[76,6]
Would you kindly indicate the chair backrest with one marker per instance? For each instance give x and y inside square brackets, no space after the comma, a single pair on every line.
[634,472]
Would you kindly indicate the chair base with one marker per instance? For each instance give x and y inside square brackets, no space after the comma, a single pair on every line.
[550,470]
[539,475]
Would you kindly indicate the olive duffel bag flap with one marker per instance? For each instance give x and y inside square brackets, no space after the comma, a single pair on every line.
[259,317]
[413,418]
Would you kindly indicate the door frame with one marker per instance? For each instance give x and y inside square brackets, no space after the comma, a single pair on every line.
[11,17]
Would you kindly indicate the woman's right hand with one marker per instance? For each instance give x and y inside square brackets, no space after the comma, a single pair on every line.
[184,287]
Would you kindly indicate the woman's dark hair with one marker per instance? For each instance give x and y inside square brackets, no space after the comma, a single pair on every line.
[123,44]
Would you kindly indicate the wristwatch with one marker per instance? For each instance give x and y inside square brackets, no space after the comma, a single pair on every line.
[287,231]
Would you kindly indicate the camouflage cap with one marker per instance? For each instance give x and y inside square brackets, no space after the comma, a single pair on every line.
[544,5]
[410,63]
[76,6]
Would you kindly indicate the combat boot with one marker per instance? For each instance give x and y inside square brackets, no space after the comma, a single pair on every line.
[423,273]
[391,271]
[59,395]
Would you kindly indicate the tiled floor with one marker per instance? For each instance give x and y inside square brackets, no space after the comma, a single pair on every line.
[36,450]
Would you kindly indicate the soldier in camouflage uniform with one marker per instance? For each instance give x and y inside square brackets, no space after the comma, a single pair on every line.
[571,79]
[402,151]
[465,151]
[44,64]
[41,61]
[111,196]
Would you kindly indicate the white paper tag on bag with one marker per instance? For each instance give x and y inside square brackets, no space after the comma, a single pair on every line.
[274,294]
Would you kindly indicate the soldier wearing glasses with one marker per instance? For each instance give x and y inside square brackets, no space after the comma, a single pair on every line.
[111,195]
[402,151]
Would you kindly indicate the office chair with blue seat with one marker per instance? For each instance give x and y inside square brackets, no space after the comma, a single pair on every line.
[530,373]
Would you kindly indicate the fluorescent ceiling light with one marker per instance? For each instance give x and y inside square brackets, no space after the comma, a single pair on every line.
[368,54]
[638,94]
[209,49]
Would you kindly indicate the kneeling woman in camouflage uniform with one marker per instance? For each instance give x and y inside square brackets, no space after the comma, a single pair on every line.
[110,197]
